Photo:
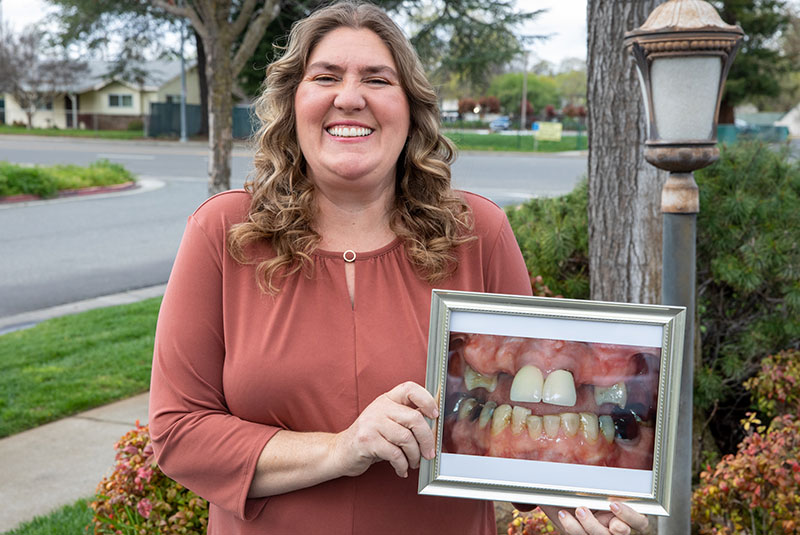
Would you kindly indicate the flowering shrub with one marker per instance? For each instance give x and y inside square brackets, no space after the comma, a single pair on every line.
[756,491]
[533,523]
[776,387]
[137,498]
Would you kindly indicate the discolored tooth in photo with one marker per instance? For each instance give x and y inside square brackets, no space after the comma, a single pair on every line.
[534,424]
[501,418]
[616,394]
[519,415]
[551,424]
[527,385]
[559,389]
[475,380]
[486,414]
[590,426]
[607,427]
[466,408]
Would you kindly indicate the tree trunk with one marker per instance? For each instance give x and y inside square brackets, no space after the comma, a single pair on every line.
[203,82]
[220,114]
[624,190]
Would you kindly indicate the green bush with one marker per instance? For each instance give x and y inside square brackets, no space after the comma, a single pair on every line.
[138,498]
[552,234]
[748,273]
[47,181]
[17,180]
[135,125]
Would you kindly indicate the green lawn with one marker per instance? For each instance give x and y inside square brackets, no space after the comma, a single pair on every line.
[73,363]
[72,132]
[512,143]
[69,520]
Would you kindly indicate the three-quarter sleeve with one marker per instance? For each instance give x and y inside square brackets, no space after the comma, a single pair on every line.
[197,441]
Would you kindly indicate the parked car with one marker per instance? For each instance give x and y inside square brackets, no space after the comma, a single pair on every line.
[501,123]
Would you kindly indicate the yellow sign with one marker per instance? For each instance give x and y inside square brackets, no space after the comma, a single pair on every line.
[547,131]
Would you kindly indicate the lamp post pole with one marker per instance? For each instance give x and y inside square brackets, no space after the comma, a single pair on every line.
[683,53]
[184,137]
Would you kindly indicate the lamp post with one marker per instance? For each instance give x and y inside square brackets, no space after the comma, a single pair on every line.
[683,53]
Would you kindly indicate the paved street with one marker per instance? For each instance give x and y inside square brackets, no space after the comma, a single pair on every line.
[60,251]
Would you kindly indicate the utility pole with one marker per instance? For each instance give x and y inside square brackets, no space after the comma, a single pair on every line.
[524,105]
[184,137]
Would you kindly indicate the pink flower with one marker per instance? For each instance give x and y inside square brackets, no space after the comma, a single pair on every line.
[144,507]
[144,473]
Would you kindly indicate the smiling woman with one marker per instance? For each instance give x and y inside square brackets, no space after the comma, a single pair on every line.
[292,339]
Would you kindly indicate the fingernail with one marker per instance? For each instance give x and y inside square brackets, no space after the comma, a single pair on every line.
[580,512]
[435,412]
[615,508]
[431,453]
[562,515]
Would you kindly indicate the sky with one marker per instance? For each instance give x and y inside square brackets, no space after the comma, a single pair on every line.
[565,22]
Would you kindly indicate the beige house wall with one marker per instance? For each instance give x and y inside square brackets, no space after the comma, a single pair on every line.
[173,87]
[42,118]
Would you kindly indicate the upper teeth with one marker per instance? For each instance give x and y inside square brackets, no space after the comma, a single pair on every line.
[349,131]
[475,379]
[530,386]
[559,389]
[616,393]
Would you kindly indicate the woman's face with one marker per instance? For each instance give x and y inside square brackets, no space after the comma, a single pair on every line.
[352,114]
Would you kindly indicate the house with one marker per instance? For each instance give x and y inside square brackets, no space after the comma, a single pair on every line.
[791,121]
[104,102]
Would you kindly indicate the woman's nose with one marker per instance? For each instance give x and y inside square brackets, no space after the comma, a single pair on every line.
[350,97]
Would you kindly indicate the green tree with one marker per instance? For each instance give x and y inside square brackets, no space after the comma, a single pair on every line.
[759,64]
[542,91]
[571,86]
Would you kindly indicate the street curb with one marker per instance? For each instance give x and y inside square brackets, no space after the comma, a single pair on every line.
[91,190]
[26,320]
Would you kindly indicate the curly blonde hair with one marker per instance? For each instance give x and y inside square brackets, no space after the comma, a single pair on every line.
[428,216]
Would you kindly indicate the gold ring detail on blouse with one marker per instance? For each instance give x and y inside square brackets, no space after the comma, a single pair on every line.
[349,255]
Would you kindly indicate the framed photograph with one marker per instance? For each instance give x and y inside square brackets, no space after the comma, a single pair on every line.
[553,401]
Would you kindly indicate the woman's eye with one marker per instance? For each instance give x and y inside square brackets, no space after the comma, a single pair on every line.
[324,78]
[377,81]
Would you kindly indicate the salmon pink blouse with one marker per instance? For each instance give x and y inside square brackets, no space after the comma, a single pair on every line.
[233,366]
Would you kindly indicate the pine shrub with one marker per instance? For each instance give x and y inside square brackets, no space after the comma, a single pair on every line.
[748,273]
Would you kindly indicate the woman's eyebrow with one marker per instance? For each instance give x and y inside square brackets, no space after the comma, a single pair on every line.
[369,69]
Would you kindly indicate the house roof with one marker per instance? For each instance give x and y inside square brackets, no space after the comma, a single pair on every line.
[157,74]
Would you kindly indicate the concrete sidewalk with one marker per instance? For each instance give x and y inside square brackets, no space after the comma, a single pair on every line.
[60,462]
[56,464]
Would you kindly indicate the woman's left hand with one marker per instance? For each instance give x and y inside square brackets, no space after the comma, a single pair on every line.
[622,520]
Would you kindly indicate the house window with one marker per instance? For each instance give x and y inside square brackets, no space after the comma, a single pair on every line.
[173,99]
[120,101]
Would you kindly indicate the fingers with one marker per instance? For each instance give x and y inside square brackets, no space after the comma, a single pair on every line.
[413,395]
[392,428]
[621,521]
[625,515]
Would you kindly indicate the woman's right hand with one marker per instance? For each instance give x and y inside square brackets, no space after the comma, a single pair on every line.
[392,428]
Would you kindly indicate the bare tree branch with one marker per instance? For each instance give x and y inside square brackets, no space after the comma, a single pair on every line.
[187,11]
[254,34]
[245,14]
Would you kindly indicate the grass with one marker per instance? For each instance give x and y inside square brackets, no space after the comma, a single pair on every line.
[511,143]
[73,363]
[47,181]
[72,132]
[69,520]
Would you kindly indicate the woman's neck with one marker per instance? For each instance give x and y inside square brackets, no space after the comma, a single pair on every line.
[360,224]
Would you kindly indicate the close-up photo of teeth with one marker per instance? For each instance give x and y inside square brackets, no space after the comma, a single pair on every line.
[551,400]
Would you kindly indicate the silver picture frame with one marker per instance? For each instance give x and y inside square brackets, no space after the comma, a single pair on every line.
[624,452]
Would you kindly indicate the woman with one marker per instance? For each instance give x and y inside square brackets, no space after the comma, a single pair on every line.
[291,341]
